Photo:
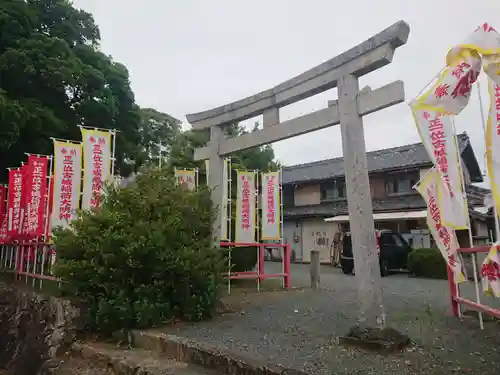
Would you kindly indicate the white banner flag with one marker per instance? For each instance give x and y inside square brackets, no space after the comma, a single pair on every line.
[451,92]
[245,207]
[271,214]
[485,40]
[67,182]
[224,222]
[96,165]
[443,235]
[438,138]
[186,177]
[493,142]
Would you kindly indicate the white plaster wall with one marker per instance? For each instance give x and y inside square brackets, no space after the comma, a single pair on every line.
[317,235]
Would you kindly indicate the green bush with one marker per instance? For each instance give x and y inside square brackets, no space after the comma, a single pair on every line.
[145,257]
[427,263]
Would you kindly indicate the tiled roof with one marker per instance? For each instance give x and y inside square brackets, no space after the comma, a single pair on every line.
[387,159]
[475,196]
[407,203]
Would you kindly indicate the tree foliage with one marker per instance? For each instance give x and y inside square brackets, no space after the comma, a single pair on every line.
[145,257]
[54,78]
[257,158]
[158,131]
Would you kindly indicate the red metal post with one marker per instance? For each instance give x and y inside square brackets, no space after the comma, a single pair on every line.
[453,291]
[287,266]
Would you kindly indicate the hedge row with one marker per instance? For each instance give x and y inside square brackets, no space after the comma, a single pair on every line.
[427,263]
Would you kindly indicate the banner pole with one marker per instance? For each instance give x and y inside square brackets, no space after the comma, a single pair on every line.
[96,128]
[47,205]
[159,155]
[483,123]
[257,229]
[50,191]
[229,212]
[282,229]
[471,239]
[113,153]
[65,141]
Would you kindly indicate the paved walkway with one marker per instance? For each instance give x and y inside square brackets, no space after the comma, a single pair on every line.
[299,328]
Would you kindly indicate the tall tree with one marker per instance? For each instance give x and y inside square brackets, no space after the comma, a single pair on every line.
[158,131]
[53,78]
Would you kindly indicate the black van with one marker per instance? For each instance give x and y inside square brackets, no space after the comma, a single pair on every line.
[392,248]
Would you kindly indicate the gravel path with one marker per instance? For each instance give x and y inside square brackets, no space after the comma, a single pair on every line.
[299,328]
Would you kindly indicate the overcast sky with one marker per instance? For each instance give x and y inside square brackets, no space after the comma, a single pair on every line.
[186,56]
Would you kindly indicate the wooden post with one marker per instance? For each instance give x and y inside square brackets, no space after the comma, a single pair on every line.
[366,264]
[314,269]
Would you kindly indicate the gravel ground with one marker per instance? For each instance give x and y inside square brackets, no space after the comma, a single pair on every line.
[299,328]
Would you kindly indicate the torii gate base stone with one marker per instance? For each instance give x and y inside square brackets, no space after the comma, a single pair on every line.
[343,72]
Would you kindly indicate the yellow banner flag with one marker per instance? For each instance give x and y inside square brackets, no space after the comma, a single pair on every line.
[443,235]
[439,140]
[97,159]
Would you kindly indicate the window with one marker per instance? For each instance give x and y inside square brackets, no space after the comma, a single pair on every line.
[397,241]
[333,190]
[390,239]
[387,239]
[401,184]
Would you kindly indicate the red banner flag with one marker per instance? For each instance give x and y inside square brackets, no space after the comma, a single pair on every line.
[23,232]
[36,195]
[4,237]
[3,217]
[14,202]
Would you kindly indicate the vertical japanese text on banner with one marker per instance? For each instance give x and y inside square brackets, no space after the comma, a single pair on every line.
[245,207]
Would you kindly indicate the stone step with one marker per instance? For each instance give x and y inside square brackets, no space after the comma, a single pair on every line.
[218,358]
[78,366]
[104,359]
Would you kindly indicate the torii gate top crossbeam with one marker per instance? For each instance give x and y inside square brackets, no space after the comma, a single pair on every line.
[364,58]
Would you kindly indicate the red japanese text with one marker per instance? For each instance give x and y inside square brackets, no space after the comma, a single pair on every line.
[16,204]
[438,141]
[245,203]
[442,232]
[271,214]
[465,82]
[490,271]
[37,176]
[97,172]
[66,195]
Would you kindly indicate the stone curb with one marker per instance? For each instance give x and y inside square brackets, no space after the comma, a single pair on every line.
[206,355]
[119,365]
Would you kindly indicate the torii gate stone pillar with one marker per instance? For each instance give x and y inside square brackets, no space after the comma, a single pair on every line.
[343,72]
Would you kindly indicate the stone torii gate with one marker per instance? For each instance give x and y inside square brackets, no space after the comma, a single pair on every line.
[343,72]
